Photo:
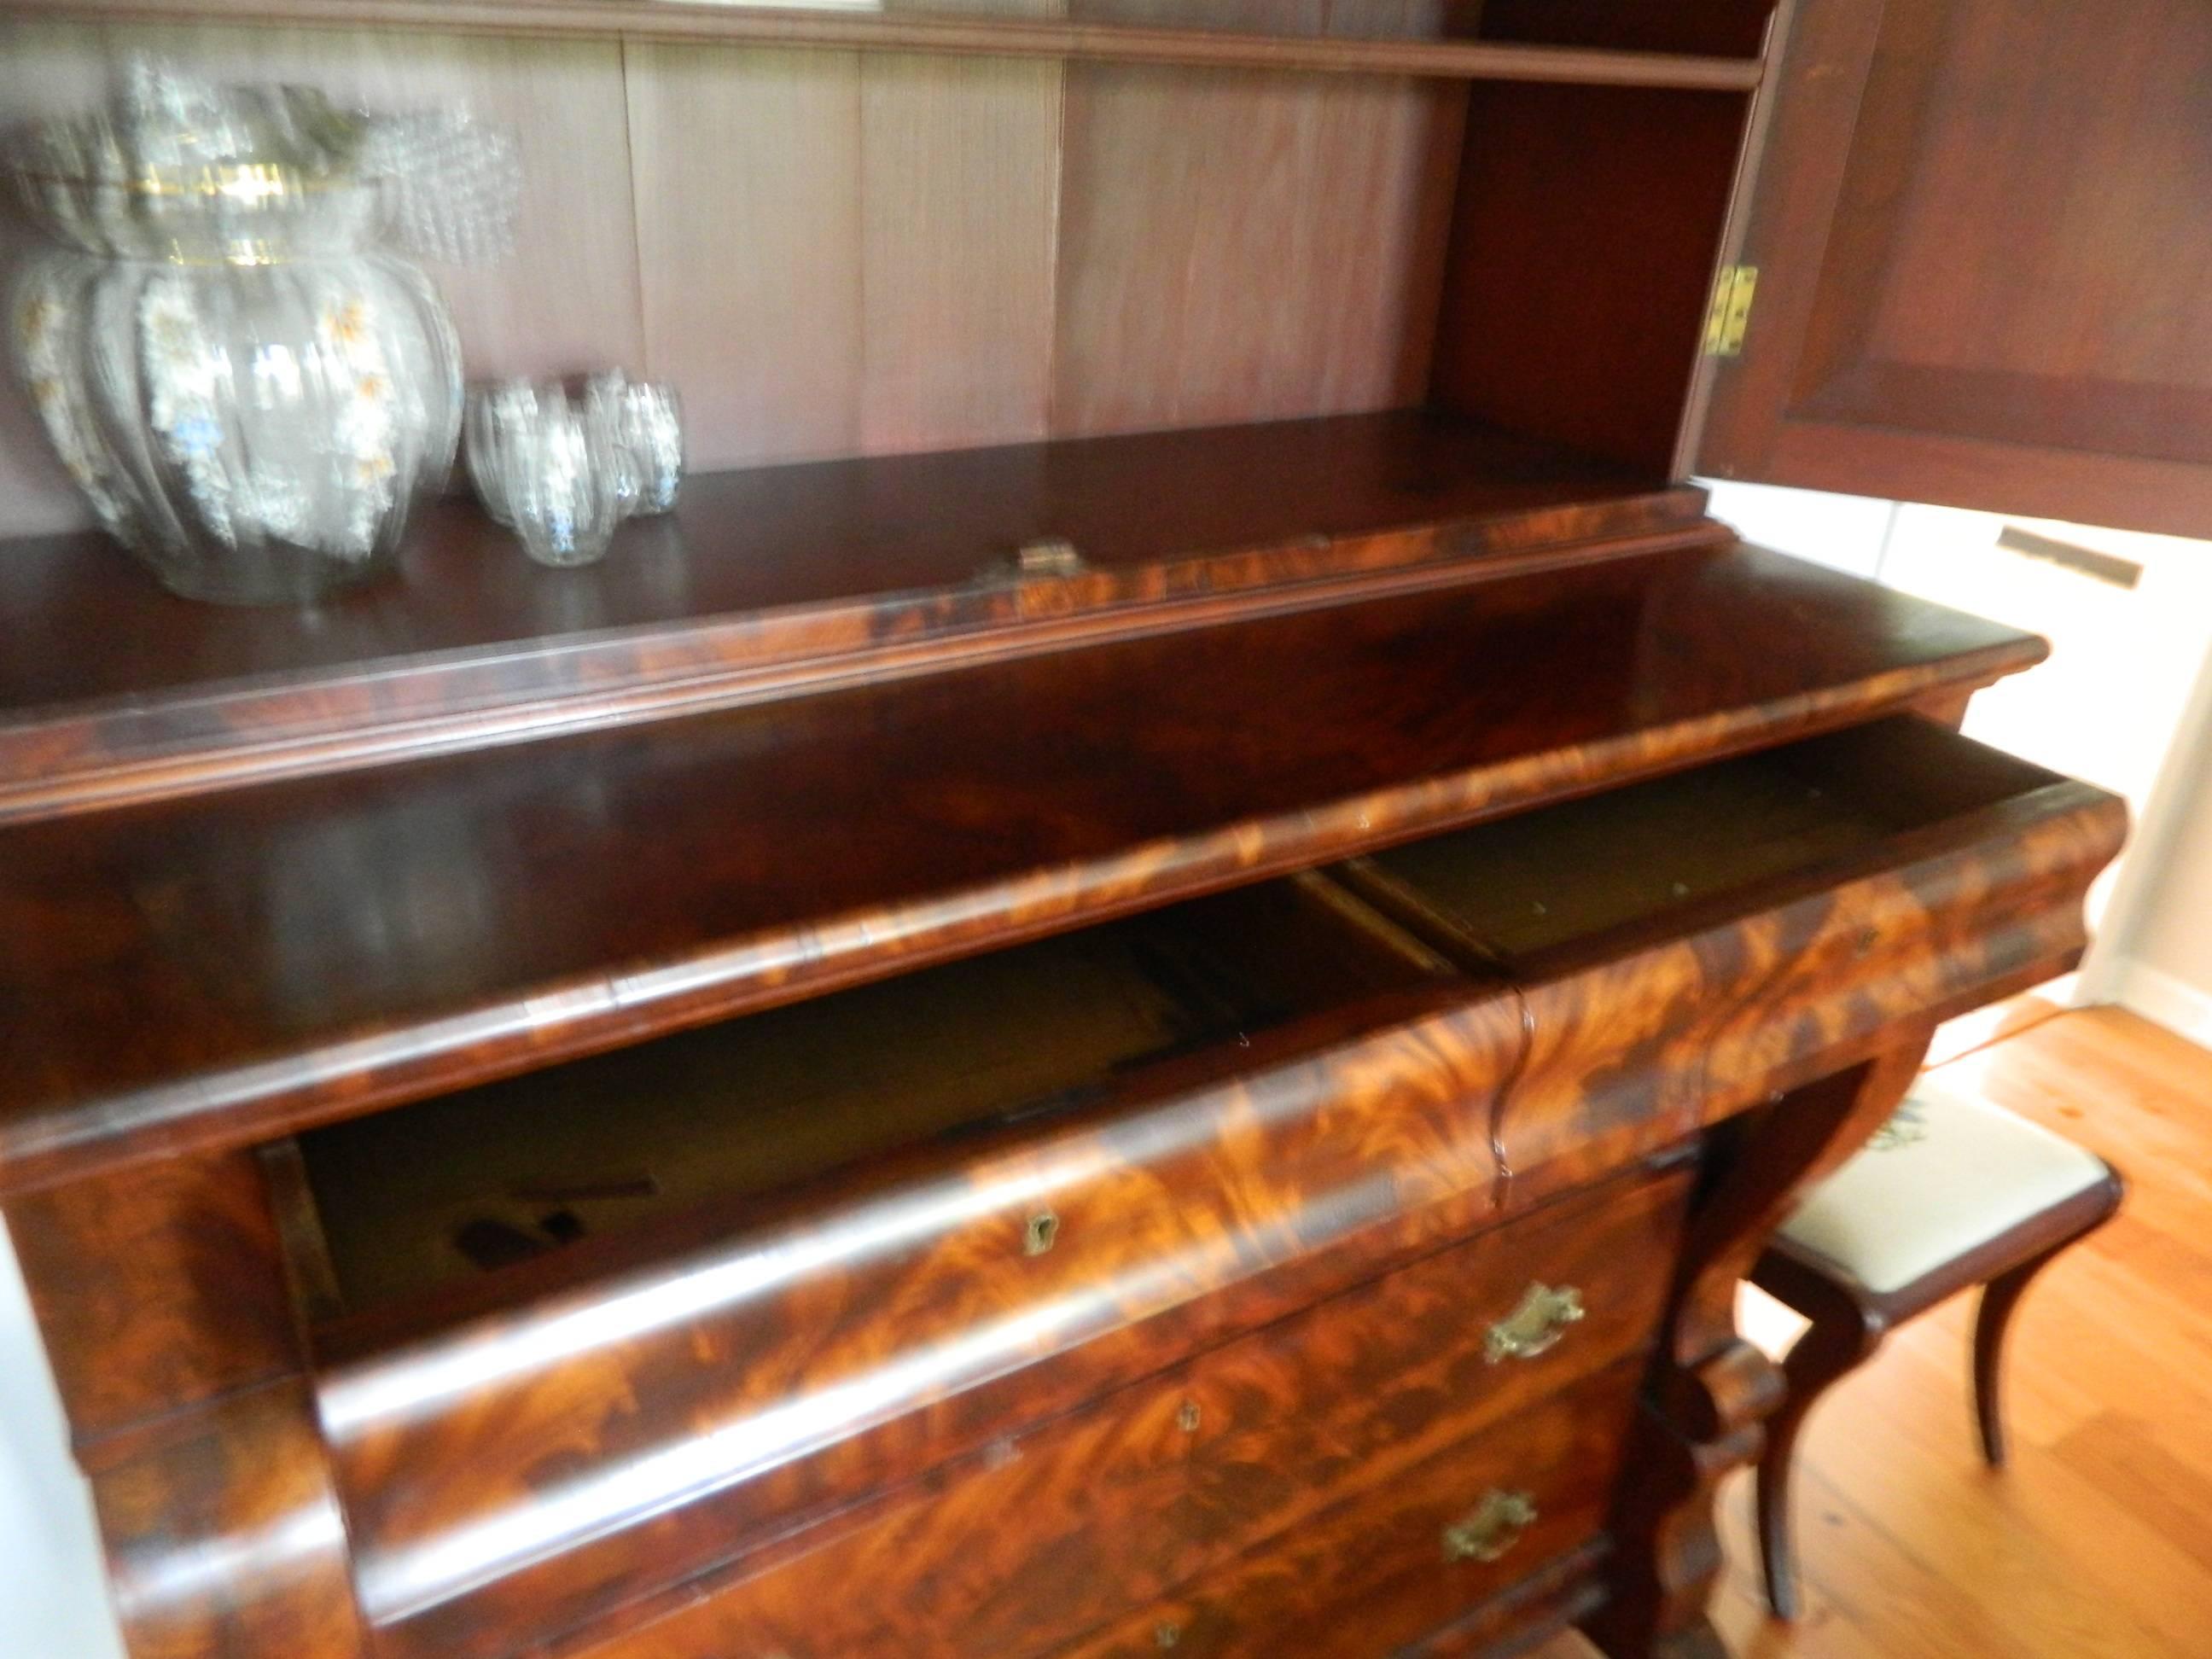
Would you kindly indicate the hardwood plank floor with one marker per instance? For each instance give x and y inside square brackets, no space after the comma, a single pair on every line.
[2098,1540]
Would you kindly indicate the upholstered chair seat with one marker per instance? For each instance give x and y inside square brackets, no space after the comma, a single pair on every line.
[1951,1193]
[1947,1174]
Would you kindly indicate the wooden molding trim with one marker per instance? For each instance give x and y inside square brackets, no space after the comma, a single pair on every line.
[140,749]
[1002,37]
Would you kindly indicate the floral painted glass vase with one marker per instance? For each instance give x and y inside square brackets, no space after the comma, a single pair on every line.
[246,387]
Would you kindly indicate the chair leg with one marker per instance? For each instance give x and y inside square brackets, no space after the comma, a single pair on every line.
[1829,1349]
[2000,1299]
[1992,1321]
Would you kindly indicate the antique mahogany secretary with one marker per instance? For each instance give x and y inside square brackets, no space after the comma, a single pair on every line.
[1142,987]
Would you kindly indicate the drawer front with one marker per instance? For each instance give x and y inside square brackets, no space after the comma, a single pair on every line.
[1073,1524]
[1948,930]
[1425,1550]
[1639,1052]
[1689,944]
[522,1474]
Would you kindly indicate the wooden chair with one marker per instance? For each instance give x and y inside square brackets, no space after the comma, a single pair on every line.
[1952,1192]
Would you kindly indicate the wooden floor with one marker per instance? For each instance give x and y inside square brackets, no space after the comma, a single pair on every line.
[2098,1539]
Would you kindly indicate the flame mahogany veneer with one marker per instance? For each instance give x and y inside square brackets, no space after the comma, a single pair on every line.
[1026,1051]
[259,960]
[1033,1152]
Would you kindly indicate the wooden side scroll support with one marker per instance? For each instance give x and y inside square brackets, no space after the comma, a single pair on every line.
[1709,1390]
[161,1294]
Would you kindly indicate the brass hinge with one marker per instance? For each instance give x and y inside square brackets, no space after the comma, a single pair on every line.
[1730,316]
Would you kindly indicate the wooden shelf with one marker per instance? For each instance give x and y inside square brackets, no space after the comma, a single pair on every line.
[225,968]
[764,579]
[907,30]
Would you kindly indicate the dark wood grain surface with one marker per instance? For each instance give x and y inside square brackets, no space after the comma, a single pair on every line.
[880,529]
[1706,1399]
[224,1537]
[1372,1575]
[734,1113]
[1563,187]
[1147,1489]
[1728,27]
[542,1464]
[1976,227]
[1619,1031]
[157,1289]
[230,967]
[1685,945]
[761,577]
[465,1457]
[1160,1318]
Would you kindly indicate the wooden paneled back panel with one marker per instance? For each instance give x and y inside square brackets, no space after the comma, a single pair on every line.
[837,253]
[1561,189]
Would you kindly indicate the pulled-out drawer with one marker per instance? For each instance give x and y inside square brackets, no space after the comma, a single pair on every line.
[897,1225]
[1071,1525]
[1412,1555]
[638,1338]
[1693,943]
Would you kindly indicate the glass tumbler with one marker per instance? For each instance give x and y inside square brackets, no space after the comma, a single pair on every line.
[495,412]
[561,479]
[646,422]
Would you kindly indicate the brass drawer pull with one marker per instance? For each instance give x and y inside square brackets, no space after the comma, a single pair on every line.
[1495,1527]
[1536,1326]
[1052,556]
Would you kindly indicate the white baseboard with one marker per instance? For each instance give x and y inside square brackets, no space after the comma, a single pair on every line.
[2160,997]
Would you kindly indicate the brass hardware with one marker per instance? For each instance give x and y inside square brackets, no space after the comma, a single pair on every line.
[1536,1326]
[1042,1233]
[1166,1636]
[1045,560]
[1053,557]
[1494,1527]
[1186,1420]
[1730,319]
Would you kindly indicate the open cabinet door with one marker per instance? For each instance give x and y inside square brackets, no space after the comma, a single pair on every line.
[1982,231]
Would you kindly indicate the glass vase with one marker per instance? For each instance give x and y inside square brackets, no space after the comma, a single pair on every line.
[247,388]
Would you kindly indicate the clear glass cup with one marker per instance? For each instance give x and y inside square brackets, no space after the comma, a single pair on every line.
[646,421]
[495,411]
[563,478]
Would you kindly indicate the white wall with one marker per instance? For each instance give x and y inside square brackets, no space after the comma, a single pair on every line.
[2125,701]
[2166,974]
[53,1597]
[1845,532]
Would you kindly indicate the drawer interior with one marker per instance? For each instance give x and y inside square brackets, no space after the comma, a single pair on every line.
[391,1206]
[1583,869]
